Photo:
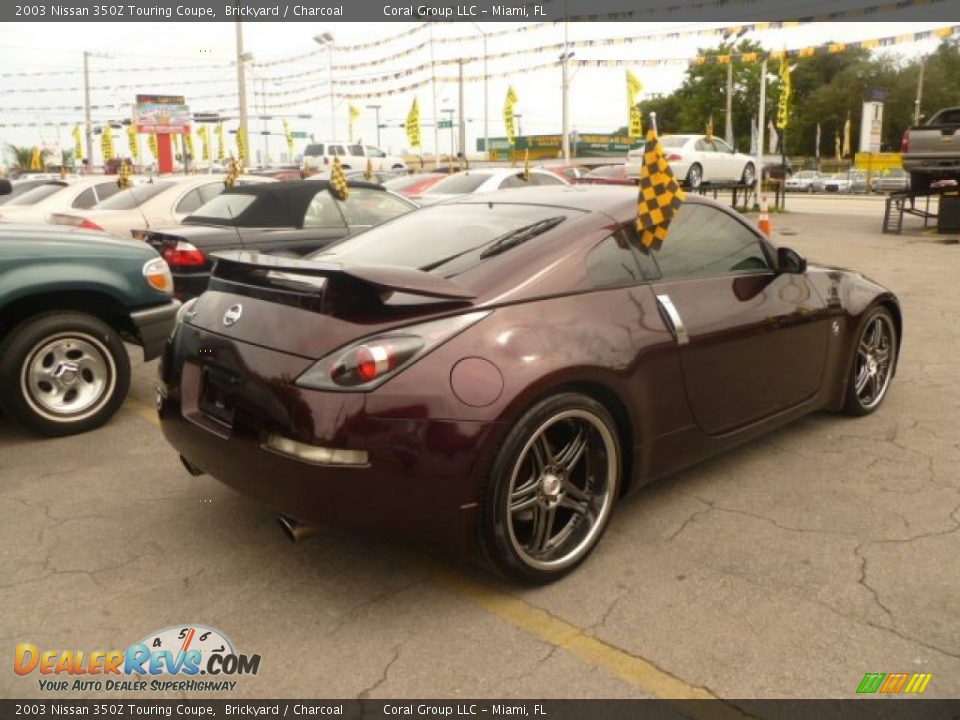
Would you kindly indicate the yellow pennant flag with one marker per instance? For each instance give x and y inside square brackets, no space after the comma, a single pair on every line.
[846,136]
[132,141]
[203,132]
[634,119]
[708,135]
[221,146]
[188,144]
[526,165]
[368,173]
[77,143]
[288,136]
[836,145]
[783,106]
[413,125]
[660,195]
[124,174]
[36,159]
[242,146]
[508,119]
[338,181]
[153,144]
[354,116]
[106,143]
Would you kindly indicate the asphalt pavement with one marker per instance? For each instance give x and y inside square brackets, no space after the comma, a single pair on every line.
[789,567]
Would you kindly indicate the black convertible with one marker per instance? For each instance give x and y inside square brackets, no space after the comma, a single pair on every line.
[289,219]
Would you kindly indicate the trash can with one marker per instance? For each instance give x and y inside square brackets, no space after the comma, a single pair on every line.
[948,217]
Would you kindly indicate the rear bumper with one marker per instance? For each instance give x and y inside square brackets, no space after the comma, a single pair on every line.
[932,164]
[190,285]
[154,326]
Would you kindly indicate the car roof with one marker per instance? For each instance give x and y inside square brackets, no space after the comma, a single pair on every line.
[295,186]
[617,201]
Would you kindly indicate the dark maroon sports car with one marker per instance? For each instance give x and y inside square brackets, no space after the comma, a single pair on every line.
[498,370]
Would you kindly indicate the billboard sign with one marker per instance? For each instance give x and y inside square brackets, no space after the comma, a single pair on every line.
[871,127]
[161,114]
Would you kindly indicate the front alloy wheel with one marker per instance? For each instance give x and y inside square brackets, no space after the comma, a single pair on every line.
[553,488]
[874,363]
[694,177]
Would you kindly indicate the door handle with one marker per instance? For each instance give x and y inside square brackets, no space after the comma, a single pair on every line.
[670,310]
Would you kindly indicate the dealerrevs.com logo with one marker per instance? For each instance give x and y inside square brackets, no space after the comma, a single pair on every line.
[181,652]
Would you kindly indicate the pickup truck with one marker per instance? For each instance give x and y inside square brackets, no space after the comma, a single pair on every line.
[932,152]
[69,298]
[319,156]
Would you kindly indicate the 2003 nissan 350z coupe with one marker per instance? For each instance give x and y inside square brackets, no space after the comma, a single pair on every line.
[495,372]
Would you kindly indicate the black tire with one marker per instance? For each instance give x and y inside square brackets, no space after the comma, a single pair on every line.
[574,489]
[694,176]
[749,176]
[920,182]
[873,365]
[93,367]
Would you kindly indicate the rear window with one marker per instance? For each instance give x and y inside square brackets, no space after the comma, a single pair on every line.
[134,197]
[399,184]
[443,239]
[355,150]
[946,117]
[31,197]
[459,184]
[225,207]
[673,142]
[314,149]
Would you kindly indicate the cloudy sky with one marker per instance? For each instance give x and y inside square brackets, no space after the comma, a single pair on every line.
[199,58]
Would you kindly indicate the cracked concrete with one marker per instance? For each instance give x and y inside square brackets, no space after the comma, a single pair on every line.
[786,568]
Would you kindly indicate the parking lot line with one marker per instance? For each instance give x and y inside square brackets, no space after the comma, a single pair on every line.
[541,624]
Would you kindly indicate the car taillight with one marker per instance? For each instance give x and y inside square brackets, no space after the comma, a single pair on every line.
[368,363]
[673,157]
[183,254]
[905,142]
[74,221]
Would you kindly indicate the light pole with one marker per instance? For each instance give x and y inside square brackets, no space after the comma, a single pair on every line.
[376,110]
[728,126]
[761,122]
[916,103]
[565,83]
[242,57]
[450,112]
[326,40]
[486,97]
[86,100]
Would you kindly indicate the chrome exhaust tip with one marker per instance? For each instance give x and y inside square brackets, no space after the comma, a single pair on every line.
[191,468]
[295,530]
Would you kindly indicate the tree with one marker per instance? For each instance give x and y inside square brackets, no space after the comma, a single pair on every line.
[21,156]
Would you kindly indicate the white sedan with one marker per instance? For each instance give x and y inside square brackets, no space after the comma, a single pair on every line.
[487,180]
[696,160]
[162,203]
[39,204]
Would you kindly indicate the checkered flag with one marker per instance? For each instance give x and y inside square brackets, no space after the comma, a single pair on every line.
[338,181]
[660,195]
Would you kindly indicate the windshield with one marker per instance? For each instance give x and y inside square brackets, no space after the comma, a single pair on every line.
[35,195]
[459,184]
[134,197]
[443,239]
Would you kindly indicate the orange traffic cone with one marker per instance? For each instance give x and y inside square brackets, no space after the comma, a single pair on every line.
[763,222]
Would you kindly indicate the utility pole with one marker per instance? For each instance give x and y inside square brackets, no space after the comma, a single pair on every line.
[86,99]
[916,103]
[436,115]
[242,89]
[263,123]
[761,123]
[728,128]
[449,112]
[376,110]
[486,95]
[463,119]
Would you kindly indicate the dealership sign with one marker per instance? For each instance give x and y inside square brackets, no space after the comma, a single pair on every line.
[161,114]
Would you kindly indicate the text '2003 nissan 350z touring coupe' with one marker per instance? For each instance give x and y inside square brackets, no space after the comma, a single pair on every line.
[497,371]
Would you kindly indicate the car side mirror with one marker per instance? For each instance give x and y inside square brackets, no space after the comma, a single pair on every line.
[790,261]
[6,187]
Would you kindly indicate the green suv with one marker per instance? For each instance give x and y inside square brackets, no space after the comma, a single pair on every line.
[68,301]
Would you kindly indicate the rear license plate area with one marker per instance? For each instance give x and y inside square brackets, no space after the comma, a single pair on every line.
[218,389]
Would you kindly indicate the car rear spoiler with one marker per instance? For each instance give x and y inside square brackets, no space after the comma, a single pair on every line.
[252,267]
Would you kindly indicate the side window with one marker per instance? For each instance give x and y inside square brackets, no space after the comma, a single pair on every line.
[105,190]
[612,263]
[703,146]
[190,202]
[210,191]
[86,199]
[335,149]
[705,241]
[371,207]
[375,151]
[322,212]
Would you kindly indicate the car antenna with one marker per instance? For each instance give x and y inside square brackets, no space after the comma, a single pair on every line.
[236,228]
[136,200]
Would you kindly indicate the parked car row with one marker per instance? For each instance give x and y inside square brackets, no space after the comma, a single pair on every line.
[854,181]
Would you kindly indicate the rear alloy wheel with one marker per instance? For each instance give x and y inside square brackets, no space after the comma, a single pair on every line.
[749,176]
[873,365]
[63,373]
[552,489]
[694,176]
